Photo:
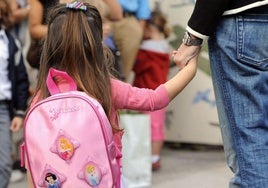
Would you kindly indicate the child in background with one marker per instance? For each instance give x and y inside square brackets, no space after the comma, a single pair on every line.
[14,87]
[151,70]
[90,67]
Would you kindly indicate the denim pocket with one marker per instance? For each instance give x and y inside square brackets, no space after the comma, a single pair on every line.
[252,40]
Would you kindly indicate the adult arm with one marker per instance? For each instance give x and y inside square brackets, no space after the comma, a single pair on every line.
[116,11]
[203,21]
[205,17]
[19,13]
[37,29]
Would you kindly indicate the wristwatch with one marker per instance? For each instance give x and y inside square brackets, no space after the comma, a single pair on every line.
[188,40]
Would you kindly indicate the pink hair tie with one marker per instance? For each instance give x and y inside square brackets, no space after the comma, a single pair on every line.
[76,5]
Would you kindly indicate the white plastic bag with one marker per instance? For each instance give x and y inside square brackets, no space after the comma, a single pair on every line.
[136,161]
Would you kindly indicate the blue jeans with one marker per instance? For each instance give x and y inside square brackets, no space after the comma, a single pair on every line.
[5,146]
[239,66]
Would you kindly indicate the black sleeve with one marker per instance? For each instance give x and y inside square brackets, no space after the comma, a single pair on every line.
[19,77]
[22,86]
[206,15]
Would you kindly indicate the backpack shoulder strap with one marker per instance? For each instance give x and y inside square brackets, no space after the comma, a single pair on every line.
[59,82]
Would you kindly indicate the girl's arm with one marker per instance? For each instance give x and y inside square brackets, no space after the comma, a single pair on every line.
[37,29]
[177,83]
[125,96]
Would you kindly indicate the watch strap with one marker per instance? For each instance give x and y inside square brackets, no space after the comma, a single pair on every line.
[188,40]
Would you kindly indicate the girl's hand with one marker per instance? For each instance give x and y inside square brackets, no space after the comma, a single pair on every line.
[184,54]
[178,82]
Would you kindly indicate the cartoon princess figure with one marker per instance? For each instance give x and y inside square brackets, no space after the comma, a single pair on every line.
[65,148]
[93,175]
[52,181]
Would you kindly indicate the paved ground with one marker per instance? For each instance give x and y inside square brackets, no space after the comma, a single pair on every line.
[185,167]
[191,168]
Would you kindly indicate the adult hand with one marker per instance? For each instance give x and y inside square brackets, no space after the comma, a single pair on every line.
[184,54]
[16,123]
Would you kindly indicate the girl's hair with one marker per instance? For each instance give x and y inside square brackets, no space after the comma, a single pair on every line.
[74,45]
[6,16]
[159,20]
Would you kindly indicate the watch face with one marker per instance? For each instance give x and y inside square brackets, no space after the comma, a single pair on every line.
[189,41]
[186,38]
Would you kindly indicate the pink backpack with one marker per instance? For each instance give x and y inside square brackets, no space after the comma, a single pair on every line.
[69,140]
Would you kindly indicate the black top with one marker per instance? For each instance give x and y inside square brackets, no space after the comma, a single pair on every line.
[207,13]
[17,74]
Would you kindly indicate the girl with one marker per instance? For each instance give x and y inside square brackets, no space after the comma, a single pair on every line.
[74,44]
[151,70]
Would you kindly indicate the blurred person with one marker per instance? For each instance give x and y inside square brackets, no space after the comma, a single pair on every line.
[20,9]
[38,29]
[13,90]
[151,69]
[128,32]
[237,40]
[116,11]
[38,24]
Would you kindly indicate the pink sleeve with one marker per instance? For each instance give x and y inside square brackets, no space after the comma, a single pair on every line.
[125,96]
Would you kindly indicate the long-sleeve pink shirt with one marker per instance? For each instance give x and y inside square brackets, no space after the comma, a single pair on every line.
[125,96]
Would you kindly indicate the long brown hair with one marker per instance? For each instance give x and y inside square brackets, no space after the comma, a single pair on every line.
[74,45]
[6,16]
